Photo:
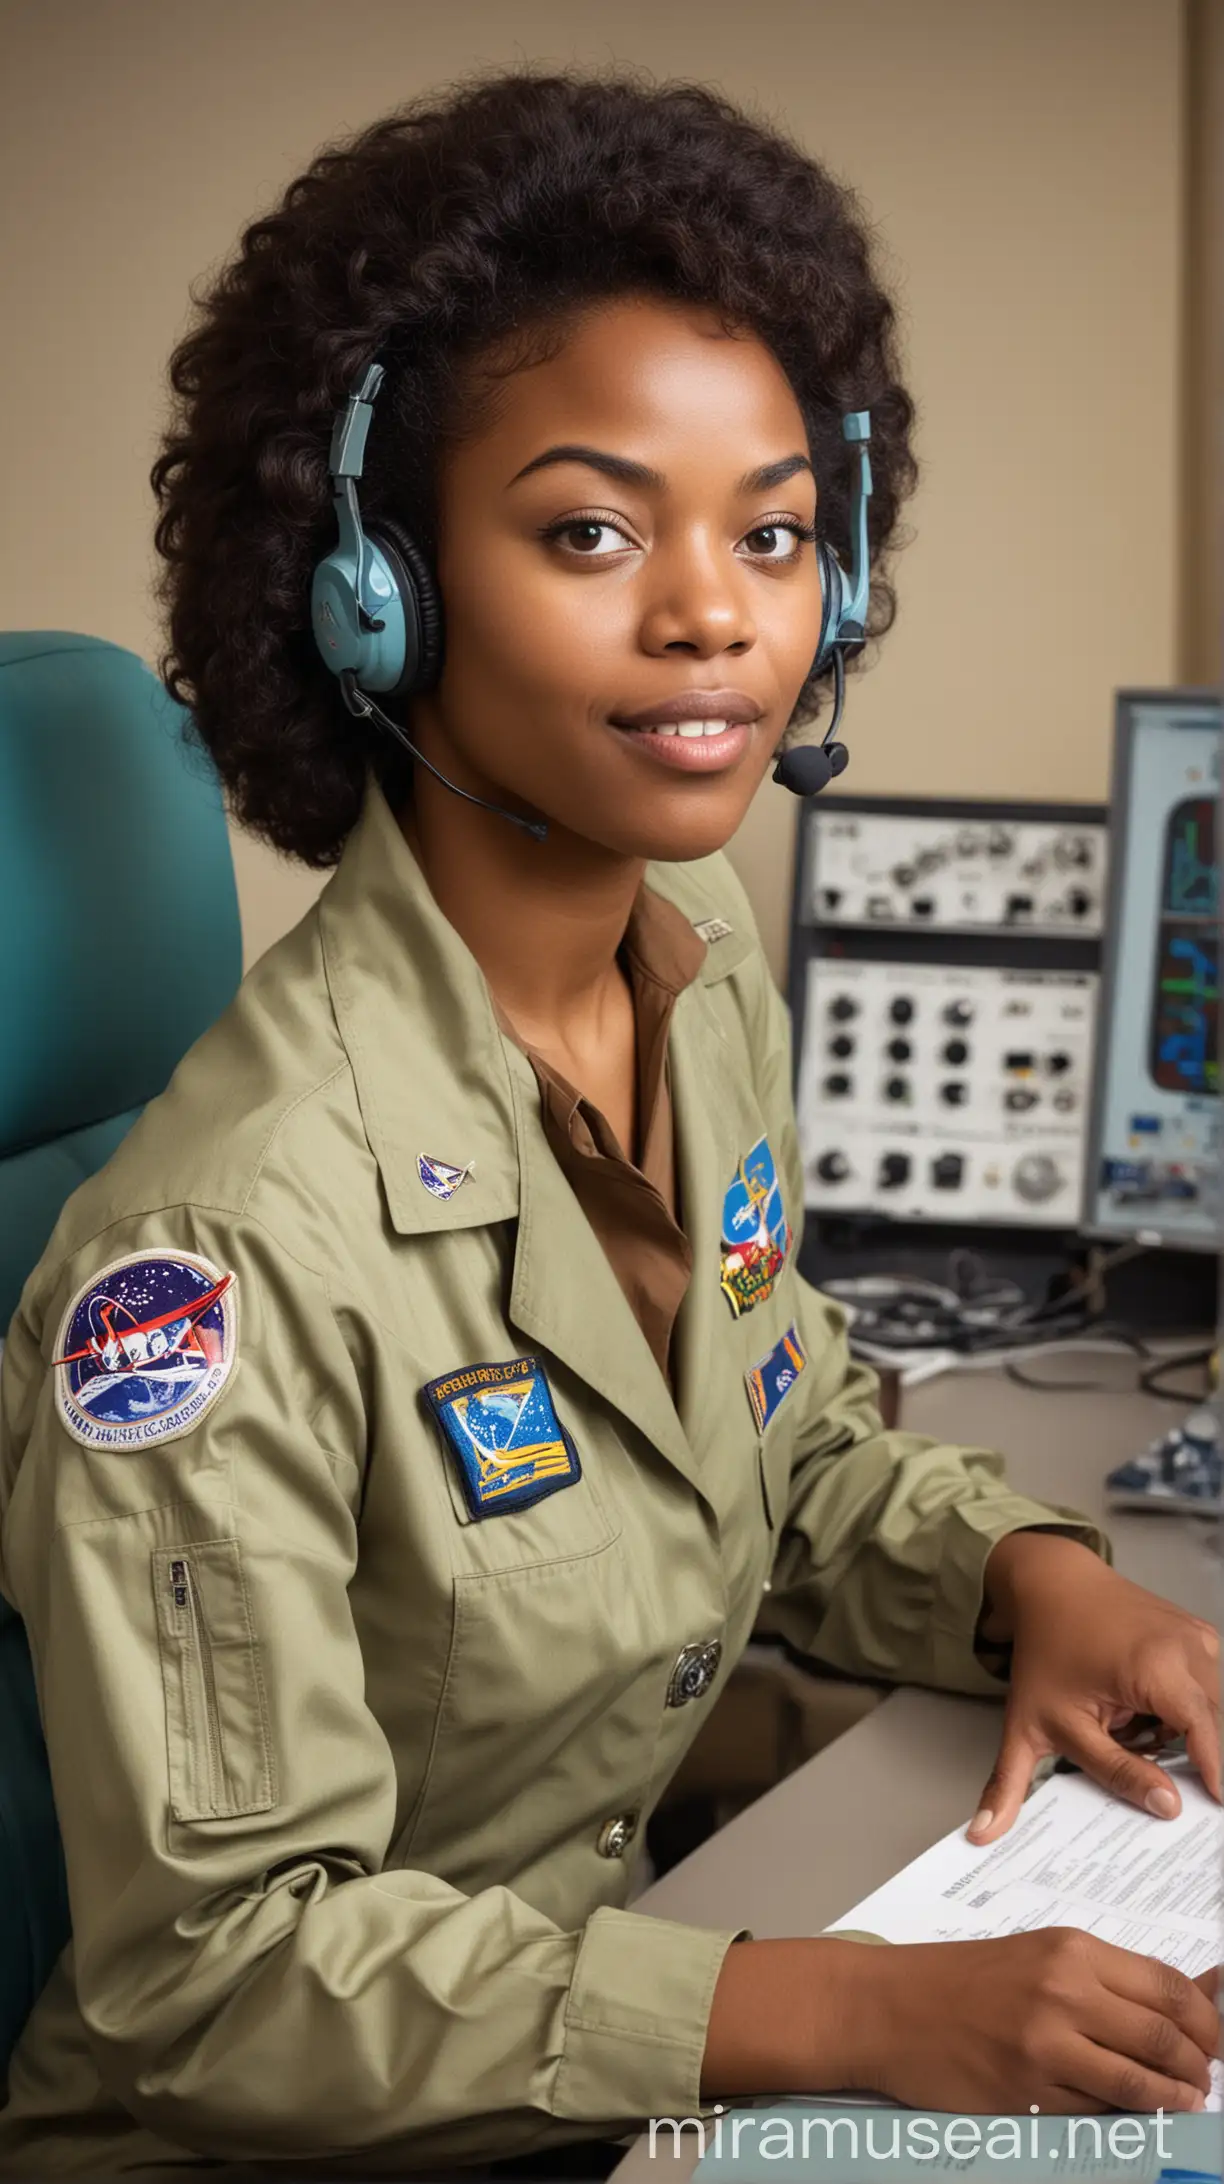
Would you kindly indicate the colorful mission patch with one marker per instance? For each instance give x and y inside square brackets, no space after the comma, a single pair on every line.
[502,1428]
[756,1235]
[145,1349]
[773,1378]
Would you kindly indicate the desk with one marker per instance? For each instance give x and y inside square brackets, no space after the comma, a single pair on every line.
[809,1850]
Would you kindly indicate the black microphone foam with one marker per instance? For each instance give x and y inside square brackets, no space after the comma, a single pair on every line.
[810,767]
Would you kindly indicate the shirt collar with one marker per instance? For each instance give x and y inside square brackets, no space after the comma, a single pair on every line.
[421,1029]
[417,1022]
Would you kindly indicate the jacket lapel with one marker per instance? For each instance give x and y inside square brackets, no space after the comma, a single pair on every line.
[717,1121]
[417,1022]
[565,1296]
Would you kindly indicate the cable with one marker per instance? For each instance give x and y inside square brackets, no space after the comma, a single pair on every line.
[919,1325]
[1150,1380]
[1122,1339]
[908,1315]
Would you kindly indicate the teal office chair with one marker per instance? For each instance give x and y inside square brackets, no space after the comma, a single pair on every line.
[119,945]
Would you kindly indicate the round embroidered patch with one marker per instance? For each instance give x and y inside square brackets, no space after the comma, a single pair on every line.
[145,1349]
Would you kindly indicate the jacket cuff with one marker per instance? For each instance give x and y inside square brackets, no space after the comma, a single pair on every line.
[974,1528]
[637,2017]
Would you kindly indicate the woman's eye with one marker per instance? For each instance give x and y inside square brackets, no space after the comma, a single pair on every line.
[588,536]
[776,541]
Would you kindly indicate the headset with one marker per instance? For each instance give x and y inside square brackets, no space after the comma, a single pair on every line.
[376,612]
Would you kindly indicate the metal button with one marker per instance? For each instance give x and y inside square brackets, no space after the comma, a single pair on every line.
[694,1672]
[616,1835]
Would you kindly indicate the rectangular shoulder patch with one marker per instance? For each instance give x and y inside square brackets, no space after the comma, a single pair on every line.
[712,929]
[770,1381]
[501,1427]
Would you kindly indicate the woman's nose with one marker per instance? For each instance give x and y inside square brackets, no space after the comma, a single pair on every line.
[697,605]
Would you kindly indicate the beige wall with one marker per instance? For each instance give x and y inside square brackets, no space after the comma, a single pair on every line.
[1022,159]
[1202,598]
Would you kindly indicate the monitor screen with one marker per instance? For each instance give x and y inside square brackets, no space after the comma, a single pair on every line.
[1152,1168]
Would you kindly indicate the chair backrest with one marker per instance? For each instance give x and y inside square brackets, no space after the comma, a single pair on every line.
[119,944]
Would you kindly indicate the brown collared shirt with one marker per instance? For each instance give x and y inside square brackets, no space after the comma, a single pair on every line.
[632,1203]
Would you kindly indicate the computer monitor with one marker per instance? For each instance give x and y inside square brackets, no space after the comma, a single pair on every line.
[1153,1152]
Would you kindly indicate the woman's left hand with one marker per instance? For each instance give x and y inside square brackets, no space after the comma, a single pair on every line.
[1091,1651]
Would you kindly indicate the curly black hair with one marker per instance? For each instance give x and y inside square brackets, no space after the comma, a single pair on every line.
[472,223]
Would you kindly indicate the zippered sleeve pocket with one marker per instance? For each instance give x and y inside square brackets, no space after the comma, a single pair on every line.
[218,1743]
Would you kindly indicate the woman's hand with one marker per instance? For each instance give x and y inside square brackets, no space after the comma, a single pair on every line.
[1053,2019]
[1092,1651]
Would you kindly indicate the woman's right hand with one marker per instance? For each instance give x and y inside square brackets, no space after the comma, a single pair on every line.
[1054,2019]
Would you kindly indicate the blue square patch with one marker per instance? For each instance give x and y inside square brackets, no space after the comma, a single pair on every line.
[770,1381]
[502,1428]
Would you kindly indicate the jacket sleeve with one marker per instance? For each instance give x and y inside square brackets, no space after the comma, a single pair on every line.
[255,1980]
[883,1546]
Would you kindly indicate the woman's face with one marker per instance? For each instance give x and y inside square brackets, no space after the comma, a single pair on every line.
[626,537]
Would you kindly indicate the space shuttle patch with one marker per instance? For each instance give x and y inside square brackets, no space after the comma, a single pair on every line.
[502,1429]
[145,1349]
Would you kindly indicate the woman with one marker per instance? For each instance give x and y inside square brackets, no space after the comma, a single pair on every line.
[399,1442]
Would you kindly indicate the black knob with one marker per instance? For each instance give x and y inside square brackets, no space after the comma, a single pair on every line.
[842,1045]
[836,1085]
[954,1094]
[832,1167]
[899,1050]
[956,1053]
[894,1170]
[958,1012]
[843,1009]
[897,1088]
[1058,1064]
[923,906]
[1079,902]
[947,1171]
[902,1010]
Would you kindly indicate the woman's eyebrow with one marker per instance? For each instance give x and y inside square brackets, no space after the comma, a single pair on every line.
[626,472]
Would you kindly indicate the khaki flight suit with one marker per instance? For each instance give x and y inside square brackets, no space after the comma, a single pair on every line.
[352,1771]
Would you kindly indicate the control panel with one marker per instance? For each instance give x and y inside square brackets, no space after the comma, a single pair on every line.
[945,960]
[962,875]
[945,1092]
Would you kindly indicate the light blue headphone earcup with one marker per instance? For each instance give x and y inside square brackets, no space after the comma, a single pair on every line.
[374,656]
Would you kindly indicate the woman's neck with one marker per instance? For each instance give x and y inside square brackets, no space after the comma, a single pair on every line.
[543,920]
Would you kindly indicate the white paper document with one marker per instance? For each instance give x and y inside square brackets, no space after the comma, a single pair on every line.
[1075,1857]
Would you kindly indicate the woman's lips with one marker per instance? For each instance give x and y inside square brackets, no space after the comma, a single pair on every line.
[695,746]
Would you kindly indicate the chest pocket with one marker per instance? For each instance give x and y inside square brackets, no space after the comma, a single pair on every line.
[553,1667]
[552,1674]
